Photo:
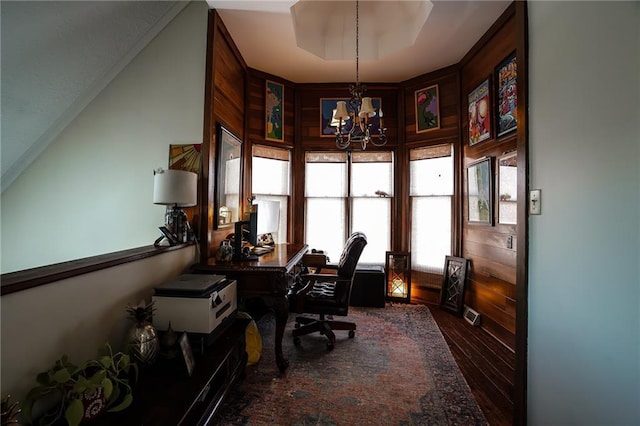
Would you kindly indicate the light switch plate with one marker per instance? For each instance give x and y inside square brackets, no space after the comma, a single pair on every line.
[535,201]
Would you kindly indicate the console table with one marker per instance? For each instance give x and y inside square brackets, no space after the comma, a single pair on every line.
[166,395]
[268,278]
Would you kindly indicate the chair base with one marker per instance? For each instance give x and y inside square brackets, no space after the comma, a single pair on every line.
[305,325]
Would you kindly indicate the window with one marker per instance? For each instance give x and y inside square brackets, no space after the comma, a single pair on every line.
[270,180]
[431,192]
[348,192]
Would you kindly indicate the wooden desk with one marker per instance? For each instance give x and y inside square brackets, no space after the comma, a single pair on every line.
[267,278]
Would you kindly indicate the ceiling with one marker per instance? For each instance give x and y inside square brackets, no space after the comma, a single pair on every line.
[264,34]
[58,55]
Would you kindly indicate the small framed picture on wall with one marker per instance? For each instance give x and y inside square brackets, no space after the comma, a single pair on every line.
[480,191]
[479,107]
[505,77]
[427,102]
[274,111]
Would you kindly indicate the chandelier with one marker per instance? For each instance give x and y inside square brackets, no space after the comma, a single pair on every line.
[360,111]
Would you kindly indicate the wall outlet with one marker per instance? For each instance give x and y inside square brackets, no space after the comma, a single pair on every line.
[535,201]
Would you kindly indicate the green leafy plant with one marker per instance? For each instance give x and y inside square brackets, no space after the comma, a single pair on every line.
[61,388]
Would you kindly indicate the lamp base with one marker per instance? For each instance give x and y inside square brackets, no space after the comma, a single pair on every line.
[177,222]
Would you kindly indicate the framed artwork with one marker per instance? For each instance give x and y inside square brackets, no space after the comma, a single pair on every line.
[479,192]
[328,125]
[185,157]
[453,284]
[506,95]
[479,114]
[228,178]
[187,353]
[508,188]
[274,111]
[427,104]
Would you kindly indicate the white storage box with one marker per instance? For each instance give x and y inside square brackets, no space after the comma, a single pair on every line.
[195,303]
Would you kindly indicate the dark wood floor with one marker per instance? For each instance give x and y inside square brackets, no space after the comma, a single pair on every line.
[487,365]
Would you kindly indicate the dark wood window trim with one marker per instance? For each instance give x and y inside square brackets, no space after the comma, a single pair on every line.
[30,278]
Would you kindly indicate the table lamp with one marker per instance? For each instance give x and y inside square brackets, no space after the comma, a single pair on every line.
[175,188]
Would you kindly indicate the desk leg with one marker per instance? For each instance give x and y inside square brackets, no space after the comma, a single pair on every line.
[281,311]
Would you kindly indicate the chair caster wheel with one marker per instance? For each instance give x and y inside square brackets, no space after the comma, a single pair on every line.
[296,341]
[352,334]
[296,325]
[329,346]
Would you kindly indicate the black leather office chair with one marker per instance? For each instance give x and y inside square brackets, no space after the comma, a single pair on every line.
[327,293]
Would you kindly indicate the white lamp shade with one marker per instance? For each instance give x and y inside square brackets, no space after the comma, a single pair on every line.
[367,110]
[175,187]
[341,111]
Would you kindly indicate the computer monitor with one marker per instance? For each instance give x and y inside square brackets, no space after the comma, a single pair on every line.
[264,219]
[267,220]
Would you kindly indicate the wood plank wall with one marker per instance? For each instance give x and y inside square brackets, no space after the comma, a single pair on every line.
[492,282]
[225,101]
[236,97]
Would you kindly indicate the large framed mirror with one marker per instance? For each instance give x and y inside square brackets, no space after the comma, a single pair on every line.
[508,189]
[228,178]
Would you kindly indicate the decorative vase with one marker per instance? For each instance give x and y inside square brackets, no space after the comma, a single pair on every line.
[143,343]
[142,339]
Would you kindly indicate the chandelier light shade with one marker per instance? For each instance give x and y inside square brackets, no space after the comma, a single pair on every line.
[360,110]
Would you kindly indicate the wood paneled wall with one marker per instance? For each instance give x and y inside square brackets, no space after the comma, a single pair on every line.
[225,100]
[492,281]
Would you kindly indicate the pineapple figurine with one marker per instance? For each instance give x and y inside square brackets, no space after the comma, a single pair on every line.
[142,339]
[9,412]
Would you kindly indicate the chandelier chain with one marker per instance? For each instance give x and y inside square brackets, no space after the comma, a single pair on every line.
[360,115]
[357,44]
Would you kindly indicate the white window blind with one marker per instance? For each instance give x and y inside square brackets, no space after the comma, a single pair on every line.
[371,195]
[325,202]
[270,180]
[337,206]
[431,189]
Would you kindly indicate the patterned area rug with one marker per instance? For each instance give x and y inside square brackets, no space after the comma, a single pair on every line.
[397,370]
